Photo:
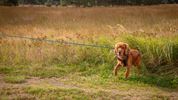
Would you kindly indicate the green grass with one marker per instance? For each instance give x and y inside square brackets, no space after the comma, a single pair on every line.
[49,92]
[83,81]
[14,79]
[103,74]
[16,93]
[36,70]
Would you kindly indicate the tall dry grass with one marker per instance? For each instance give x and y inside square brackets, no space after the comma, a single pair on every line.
[66,21]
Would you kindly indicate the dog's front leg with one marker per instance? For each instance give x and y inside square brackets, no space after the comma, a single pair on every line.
[117,67]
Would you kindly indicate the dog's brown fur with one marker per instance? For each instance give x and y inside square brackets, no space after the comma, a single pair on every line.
[126,57]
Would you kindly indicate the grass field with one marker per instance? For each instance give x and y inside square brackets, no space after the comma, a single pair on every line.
[39,70]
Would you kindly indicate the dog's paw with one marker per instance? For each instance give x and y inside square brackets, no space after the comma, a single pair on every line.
[114,73]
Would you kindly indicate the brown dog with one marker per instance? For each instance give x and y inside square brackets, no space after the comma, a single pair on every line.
[126,57]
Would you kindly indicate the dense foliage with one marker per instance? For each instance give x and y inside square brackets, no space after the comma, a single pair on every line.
[87,2]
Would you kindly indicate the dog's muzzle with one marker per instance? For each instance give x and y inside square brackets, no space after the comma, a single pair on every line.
[119,57]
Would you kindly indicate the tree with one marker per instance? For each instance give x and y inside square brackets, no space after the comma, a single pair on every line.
[10,2]
[88,3]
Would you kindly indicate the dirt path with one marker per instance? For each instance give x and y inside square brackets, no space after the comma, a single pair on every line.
[58,83]
[131,93]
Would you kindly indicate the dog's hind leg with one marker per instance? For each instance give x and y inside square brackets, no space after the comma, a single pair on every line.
[116,68]
[138,69]
[138,65]
[129,65]
[127,71]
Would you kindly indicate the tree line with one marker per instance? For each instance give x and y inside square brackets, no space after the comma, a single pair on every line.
[87,3]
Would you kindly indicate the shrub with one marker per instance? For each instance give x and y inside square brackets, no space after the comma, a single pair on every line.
[155,51]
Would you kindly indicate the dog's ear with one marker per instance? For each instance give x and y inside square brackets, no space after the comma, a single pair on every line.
[126,48]
[116,49]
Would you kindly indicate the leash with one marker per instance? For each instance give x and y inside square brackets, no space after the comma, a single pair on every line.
[56,41]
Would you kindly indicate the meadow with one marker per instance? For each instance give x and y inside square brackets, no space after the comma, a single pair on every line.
[41,70]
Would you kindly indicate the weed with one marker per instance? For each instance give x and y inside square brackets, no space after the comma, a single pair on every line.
[14,79]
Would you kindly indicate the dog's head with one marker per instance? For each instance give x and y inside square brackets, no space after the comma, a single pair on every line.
[121,50]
